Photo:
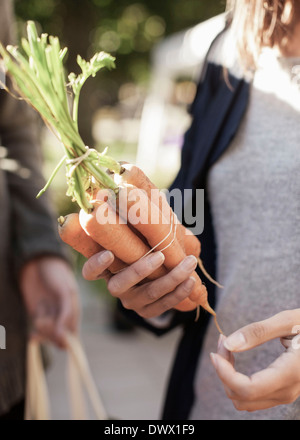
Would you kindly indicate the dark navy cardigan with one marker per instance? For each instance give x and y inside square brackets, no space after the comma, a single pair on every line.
[216,112]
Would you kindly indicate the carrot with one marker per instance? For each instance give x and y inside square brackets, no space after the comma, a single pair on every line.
[115,236]
[119,237]
[191,244]
[71,233]
[121,240]
[133,175]
[158,236]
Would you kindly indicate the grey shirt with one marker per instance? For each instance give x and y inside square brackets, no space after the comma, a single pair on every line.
[254,190]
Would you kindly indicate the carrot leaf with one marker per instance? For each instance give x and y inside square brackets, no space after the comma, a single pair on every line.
[39,77]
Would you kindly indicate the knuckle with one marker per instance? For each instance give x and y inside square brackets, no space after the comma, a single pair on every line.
[239,406]
[242,406]
[180,293]
[250,392]
[165,304]
[87,270]
[177,277]
[126,304]
[245,393]
[114,286]
[138,271]
[188,285]
[145,313]
[290,397]
[230,394]
[151,292]
[258,331]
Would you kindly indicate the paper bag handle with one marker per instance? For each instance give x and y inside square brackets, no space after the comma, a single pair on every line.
[79,376]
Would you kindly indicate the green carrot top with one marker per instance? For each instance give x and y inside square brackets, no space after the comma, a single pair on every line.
[38,74]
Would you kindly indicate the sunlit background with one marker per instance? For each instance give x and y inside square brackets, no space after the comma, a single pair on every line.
[140,112]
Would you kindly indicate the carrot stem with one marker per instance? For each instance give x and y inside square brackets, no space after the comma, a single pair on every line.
[38,77]
[57,168]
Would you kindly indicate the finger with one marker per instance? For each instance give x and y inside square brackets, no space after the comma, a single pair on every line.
[68,317]
[34,336]
[74,319]
[222,350]
[176,276]
[44,328]
[45,308]
[168,301]
[96,266]
[286,342]
[292,341]
[257,333]
[238,385]
[135,273]
[254,406]
[266,384]
[153,291]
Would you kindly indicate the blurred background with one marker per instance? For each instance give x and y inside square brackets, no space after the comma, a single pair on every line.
[140,112]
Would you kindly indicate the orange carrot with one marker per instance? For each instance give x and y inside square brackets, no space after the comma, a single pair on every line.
[120,239]
[158,236]
[71,233]
[174,248]
[133,175]
[191,244]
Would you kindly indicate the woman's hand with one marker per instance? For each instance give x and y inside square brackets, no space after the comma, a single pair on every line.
[279,383]
[50,294]
[147,298]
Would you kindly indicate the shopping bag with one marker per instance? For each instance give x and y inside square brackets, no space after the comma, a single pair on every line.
[80,384]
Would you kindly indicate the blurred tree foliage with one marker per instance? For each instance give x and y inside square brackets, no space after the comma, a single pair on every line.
[124,28]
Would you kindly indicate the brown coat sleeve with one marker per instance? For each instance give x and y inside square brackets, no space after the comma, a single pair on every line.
[34,229]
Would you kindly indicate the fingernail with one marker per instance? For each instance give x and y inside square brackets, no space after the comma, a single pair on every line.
[105,257]
[235,341]
[189,284]
[189,263]
[220,341]
[156,258]
[214,360]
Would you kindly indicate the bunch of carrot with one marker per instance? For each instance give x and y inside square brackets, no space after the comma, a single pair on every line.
[38,76]
[91,232]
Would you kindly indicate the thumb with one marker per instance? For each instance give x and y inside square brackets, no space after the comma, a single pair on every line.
[278,326]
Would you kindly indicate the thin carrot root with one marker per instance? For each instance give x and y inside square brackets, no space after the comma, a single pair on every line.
[213,313]
[203,270]
[197,313]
